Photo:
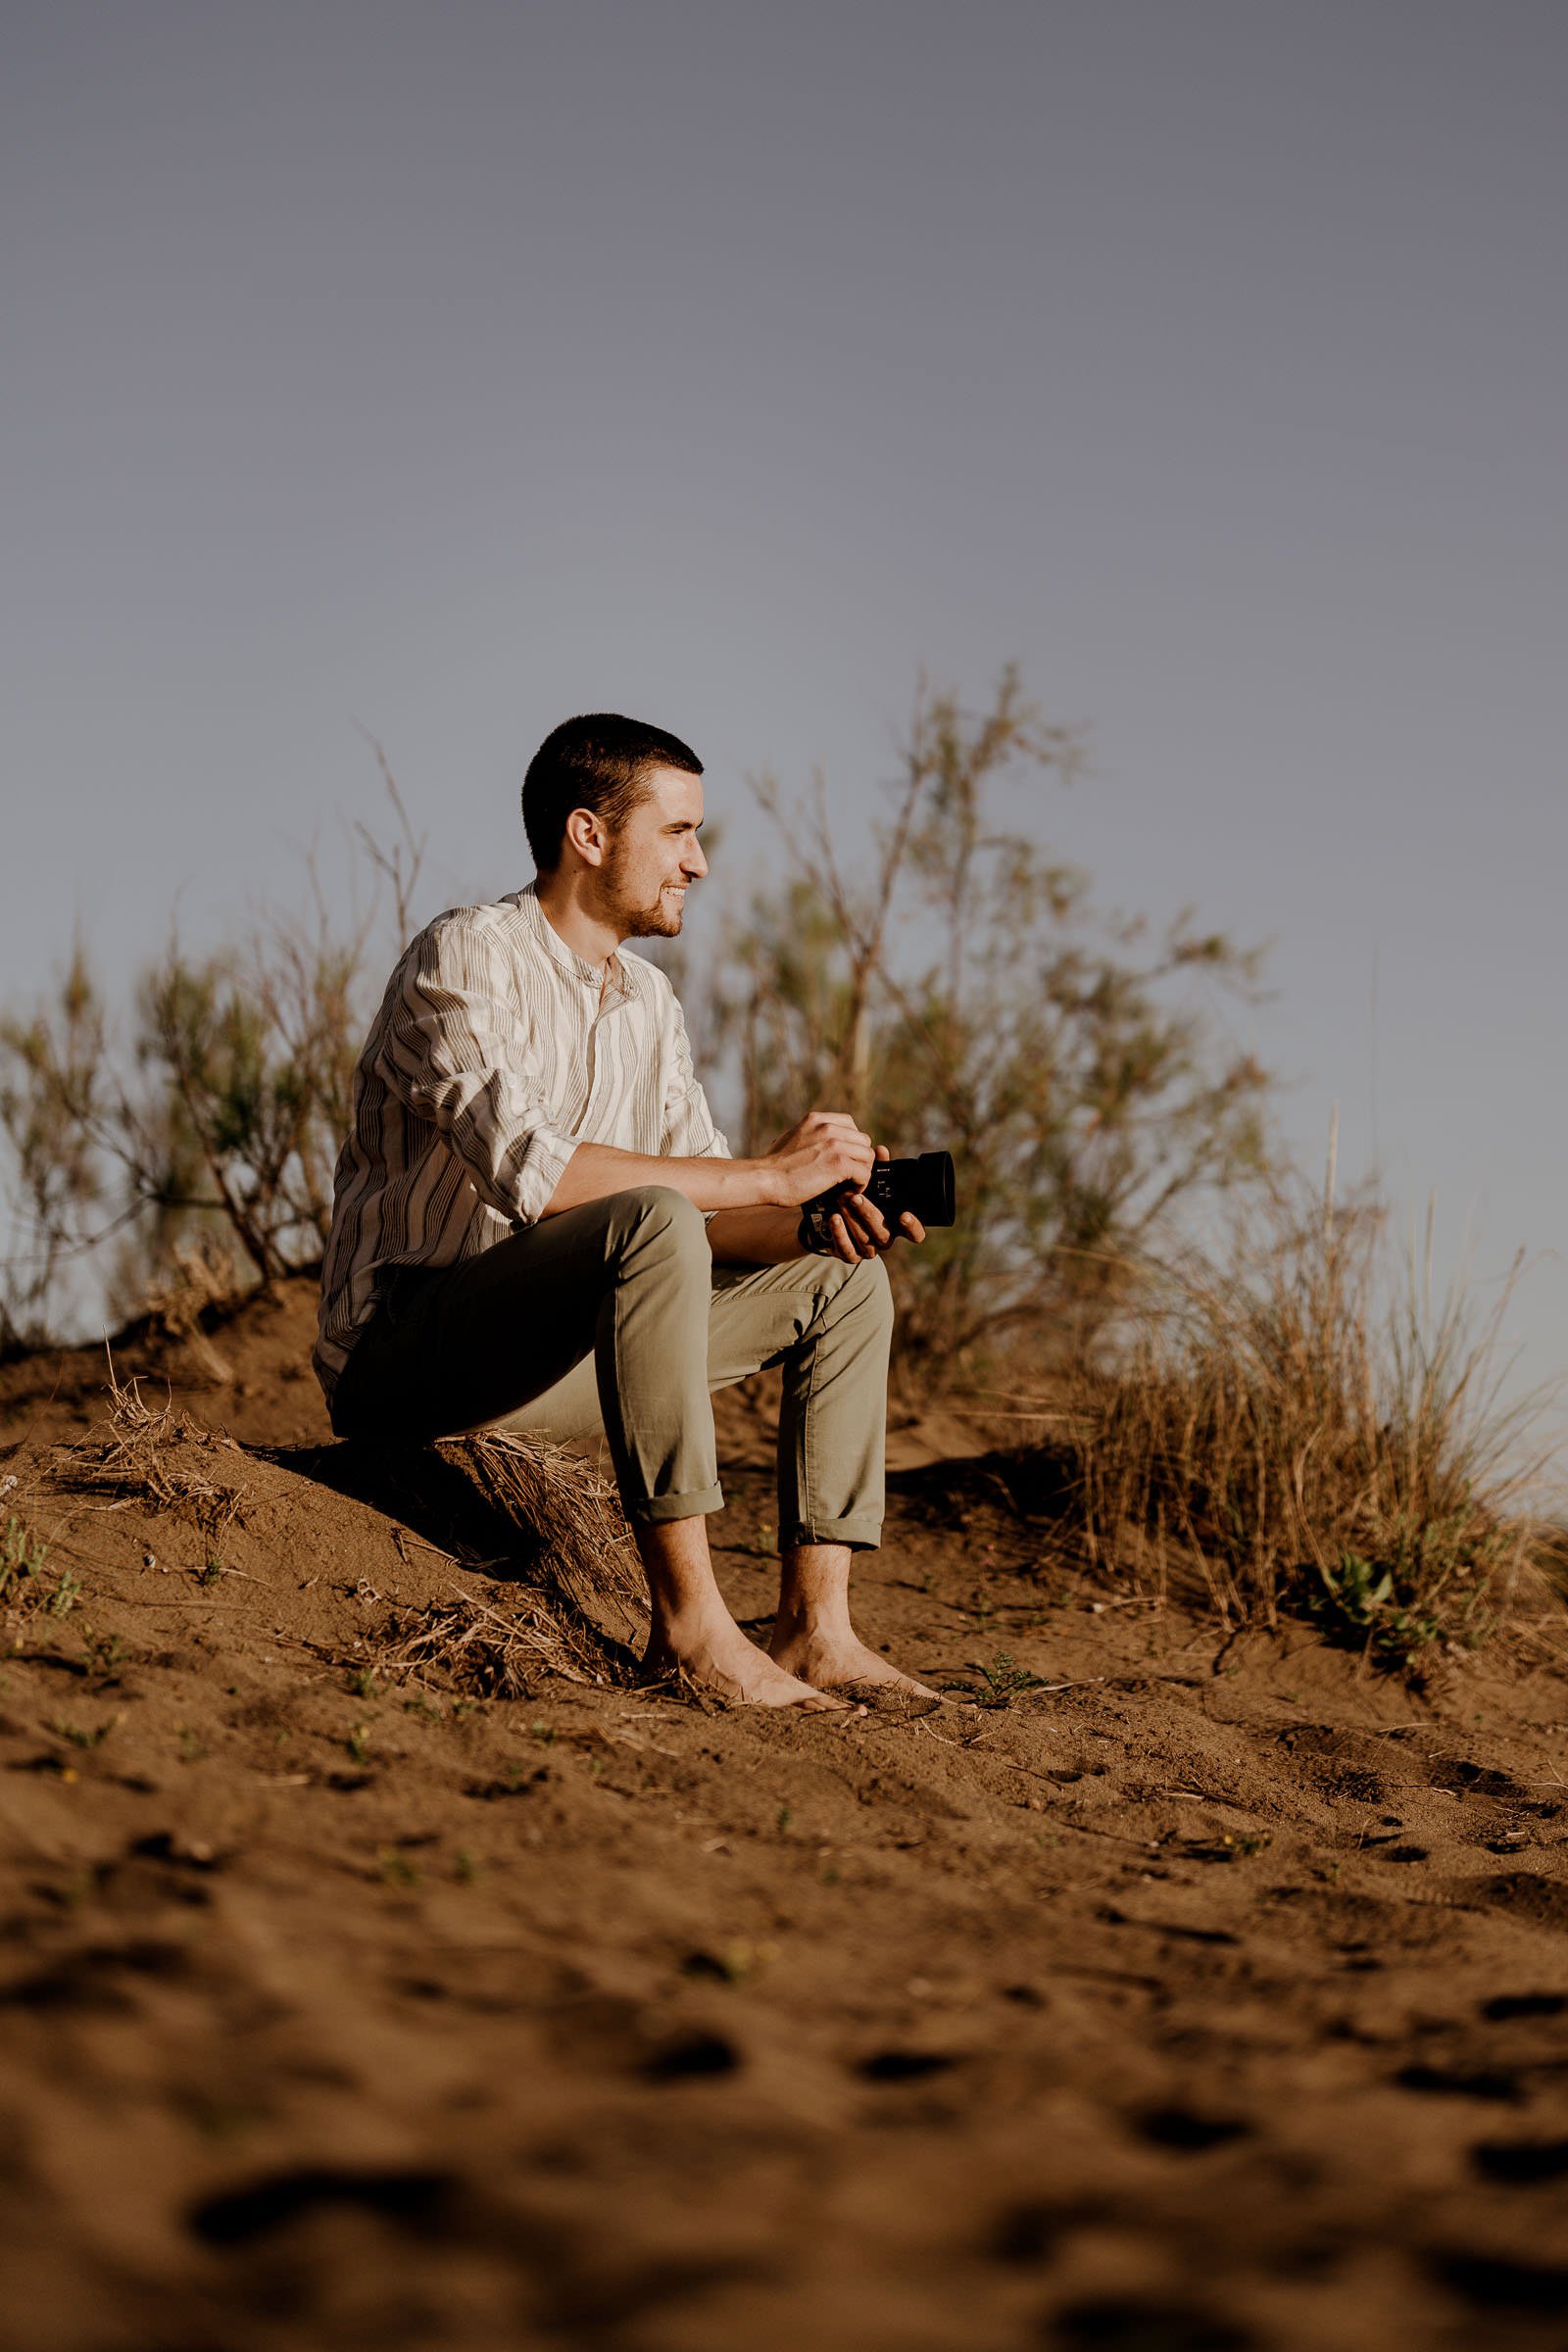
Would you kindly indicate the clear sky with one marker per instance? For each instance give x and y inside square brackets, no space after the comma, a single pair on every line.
[448,366]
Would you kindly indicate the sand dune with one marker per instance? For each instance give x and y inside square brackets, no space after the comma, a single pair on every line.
[1214,1997]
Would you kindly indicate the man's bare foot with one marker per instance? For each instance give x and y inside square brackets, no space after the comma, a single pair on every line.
[840,1661]
[718,1660]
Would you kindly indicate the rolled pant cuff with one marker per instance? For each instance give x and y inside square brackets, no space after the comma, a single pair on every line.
[860,1533]
[659,1509]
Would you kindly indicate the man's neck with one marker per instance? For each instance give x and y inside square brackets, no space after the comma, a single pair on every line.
[574,917]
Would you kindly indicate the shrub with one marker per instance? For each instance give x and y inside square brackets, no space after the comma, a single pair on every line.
[54,1067]
[1303,1440]
[212,1133]
[966,994]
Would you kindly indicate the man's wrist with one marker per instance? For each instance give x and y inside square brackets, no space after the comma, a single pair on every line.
[766,1187]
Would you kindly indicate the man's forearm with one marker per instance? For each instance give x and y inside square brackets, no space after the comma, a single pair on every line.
[746,1187]
[755,1236]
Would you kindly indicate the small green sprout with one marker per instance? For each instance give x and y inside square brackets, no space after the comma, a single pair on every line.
[81,1734]
[1005,1680]
[103,1654]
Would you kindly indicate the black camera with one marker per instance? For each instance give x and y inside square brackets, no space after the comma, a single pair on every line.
[923,1186]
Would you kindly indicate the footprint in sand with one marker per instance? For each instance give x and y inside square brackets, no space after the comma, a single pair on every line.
[1521,2163]
[1130,2323]
[1506,2006]
[1495,2282]
[1187,2133]
[1457,2083]
[692,2056]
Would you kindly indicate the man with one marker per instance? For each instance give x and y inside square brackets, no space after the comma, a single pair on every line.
[536,1222]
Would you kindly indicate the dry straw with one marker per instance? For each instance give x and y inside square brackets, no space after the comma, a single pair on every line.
[574,1603]
[162,1459]
[1292,1438]
[582,1612]
[469,1645]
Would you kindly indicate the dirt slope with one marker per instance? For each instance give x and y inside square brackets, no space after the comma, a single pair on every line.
[1215,1999]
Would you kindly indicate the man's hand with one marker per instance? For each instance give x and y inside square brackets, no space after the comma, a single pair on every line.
[861,1231]
[821,1151]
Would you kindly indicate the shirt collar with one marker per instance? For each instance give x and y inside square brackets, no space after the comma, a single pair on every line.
[526,902]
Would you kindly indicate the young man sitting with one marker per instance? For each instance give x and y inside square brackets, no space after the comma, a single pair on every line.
[536,1223]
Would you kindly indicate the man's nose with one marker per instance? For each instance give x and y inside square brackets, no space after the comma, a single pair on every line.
[694,862]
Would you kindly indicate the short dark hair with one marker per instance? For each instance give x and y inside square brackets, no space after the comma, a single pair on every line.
[601,763]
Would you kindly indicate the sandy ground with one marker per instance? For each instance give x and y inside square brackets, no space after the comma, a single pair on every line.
[1214,1997]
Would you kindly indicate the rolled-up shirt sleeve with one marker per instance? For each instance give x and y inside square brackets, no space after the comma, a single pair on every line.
[458,1053]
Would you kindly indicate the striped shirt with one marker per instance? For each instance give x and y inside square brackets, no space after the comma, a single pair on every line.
[492,1057]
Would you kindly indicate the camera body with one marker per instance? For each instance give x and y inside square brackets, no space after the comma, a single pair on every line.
[923,1186]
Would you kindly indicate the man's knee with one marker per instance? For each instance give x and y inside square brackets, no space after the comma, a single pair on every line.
[865,1293]
[872,1274]
[656,1217]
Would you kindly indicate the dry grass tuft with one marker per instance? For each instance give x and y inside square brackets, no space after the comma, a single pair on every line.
[1299,1443]
[469,1645]
[578,1549]
[583,1611]
[159,1458]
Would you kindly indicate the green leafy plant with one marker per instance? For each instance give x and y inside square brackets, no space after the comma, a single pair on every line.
[1005,1680]
[82,1735]
[103,1654]
[1358,1600]
[21,1559]
[22,1583]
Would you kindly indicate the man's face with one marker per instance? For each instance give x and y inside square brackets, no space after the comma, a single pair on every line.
[655,857]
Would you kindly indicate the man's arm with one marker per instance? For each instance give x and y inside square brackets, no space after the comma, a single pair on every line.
[454,1052]
[825,1149]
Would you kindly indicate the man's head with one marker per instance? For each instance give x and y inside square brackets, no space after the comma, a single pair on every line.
[601,763]
[620,802]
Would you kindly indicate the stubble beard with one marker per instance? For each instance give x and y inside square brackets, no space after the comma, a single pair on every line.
[661,919]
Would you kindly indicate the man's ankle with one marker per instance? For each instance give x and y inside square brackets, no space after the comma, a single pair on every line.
[800,1620]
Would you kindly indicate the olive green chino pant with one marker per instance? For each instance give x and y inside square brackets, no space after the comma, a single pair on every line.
[613,1318]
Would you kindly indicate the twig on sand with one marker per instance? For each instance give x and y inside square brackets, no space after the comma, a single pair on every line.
[406,1540]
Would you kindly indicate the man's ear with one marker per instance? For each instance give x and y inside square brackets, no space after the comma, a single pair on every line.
[588,836]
